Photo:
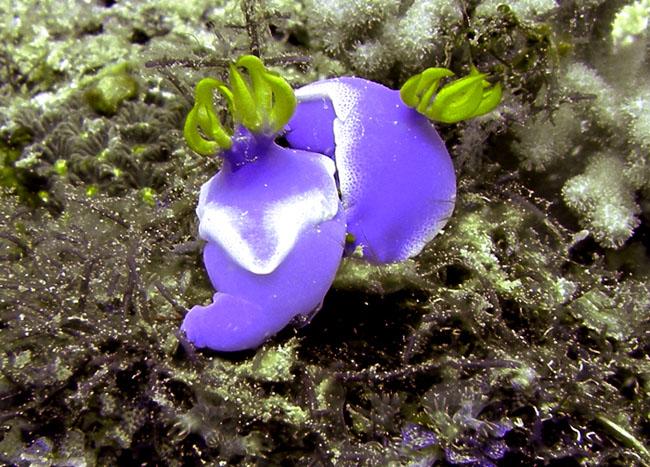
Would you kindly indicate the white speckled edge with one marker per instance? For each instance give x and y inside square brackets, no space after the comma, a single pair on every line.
[348,129]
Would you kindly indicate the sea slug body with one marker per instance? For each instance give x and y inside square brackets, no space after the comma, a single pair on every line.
[363,171]
[396,178]
[275,237]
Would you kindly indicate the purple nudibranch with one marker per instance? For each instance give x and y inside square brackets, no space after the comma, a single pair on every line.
[276,227]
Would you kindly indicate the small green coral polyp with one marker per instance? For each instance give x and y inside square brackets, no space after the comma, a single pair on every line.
[262,104]
[112,88]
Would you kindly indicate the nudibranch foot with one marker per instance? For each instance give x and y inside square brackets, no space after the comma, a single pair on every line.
[229,323]
[260,305]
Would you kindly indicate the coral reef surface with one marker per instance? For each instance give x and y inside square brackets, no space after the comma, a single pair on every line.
[519,336]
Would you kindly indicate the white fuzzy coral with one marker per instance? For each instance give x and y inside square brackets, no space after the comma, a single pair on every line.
[585,80]
[544,141]
[604,200]
[414,34]
[375,34]
[371,57]
[336,23]
[523,9]
[637,108]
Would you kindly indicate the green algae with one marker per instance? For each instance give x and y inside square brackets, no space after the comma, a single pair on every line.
[111,89]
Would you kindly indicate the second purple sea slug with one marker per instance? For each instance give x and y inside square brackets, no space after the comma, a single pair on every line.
[395,175]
